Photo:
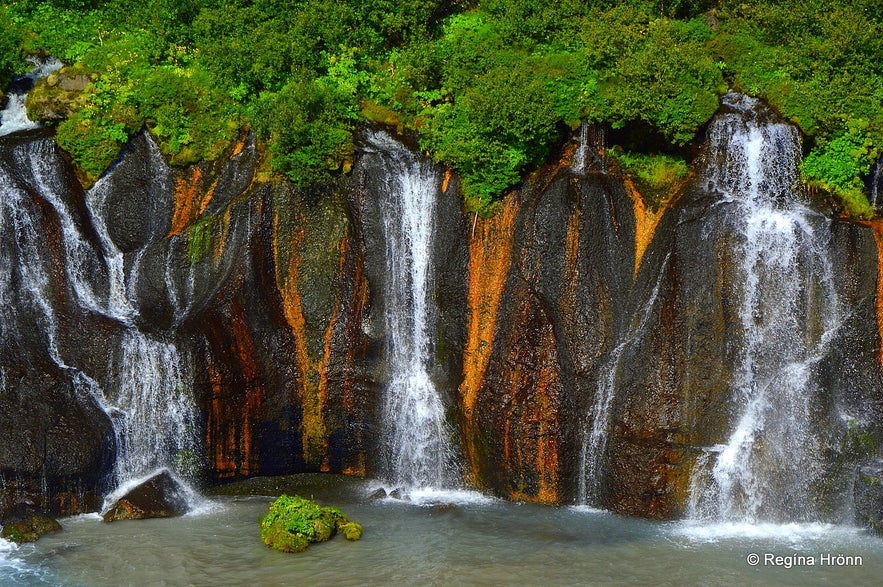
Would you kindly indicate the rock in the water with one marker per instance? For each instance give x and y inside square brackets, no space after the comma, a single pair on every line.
[294,522]
[161,496]
[24,524]
[379,493]
[868,493]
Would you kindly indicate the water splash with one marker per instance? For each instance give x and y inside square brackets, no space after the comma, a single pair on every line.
[151,406]
[417,450]
[788,313]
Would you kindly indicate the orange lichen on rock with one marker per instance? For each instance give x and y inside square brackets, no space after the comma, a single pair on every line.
[529,390]
[221,435]
[490,255]
[646,221]
[191,200]
[291,241]
[647,217]
[571,265]
[220,242]
[315,442]
[447,180]
[186,196]
[546,419]
[254,392]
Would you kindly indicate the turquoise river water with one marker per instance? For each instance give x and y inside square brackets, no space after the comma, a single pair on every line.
[442,538]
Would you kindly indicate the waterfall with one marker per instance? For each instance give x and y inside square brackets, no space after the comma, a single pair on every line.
[14,117]
[146,391]
[152,408]
[788,312]
[876,181]
[417,452]
[151,405]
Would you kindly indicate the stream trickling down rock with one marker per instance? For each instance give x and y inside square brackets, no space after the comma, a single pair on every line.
[145,389]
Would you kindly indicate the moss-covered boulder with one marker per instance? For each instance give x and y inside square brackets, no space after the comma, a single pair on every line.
[23,524]
[294,522]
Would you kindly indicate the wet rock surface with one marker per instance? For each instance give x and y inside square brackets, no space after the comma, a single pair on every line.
[161,496]
[24,524]
[868,495]
[276,297]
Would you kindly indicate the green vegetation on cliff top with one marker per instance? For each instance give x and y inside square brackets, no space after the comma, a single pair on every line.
[490,87]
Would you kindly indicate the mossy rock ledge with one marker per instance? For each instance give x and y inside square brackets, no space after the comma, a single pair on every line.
[24,524]
[294,522]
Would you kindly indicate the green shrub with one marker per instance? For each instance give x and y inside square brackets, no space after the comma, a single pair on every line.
[10,49]
[837,166]
[654,174]
[489,86]
[309,126]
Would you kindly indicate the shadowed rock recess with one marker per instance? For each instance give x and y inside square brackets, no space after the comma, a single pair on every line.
[586,349]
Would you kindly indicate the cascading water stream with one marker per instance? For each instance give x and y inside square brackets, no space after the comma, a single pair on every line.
[876,183]
[589,151]
[788,312]
[417,450]
[146,392]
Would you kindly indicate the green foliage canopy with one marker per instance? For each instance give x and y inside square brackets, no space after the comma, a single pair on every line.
[490,86]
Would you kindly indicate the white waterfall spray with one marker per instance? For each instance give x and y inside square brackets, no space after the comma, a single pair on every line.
[589,151]
[417,447]
[788,311]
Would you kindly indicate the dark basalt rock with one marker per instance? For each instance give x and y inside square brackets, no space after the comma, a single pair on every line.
[24,524]
[56,448]
[868,495]
[161,496]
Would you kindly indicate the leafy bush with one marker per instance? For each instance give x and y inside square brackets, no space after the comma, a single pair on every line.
[309,125]
[837,165]
[10,49]
[292,523]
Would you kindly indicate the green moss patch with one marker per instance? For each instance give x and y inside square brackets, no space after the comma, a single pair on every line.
[294,522]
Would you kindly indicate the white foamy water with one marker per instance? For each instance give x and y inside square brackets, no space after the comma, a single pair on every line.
[430,496]
[770,467]
[793,533]
[198,505]
[417,449]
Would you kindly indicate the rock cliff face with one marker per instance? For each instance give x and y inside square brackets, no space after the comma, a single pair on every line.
[586,345]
